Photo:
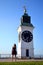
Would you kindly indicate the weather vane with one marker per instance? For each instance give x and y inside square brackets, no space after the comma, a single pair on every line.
[25,9]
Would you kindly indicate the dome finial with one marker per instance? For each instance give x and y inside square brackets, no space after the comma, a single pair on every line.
[25,9]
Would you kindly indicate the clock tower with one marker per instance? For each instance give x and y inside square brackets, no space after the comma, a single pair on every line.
[25,37]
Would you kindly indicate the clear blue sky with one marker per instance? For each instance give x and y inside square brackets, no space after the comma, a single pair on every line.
[10,14]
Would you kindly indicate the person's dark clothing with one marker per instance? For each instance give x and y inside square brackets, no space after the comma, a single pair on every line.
[14,52]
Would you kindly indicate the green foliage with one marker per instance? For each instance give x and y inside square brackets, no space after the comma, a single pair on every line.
[22,63]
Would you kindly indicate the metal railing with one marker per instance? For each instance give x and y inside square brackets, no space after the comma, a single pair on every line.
[5,55]
[10,55]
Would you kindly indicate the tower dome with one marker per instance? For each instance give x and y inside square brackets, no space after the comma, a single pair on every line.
[26,19]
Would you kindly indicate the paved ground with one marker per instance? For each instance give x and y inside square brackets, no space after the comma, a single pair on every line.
[18,60]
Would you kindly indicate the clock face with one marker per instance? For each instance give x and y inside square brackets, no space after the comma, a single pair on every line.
[27,36]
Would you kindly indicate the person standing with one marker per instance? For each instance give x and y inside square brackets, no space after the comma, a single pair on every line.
[14,52]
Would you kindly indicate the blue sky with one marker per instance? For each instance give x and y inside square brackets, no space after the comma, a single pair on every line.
[11,12]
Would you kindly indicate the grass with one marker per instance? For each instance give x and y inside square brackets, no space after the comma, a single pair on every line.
[22,63]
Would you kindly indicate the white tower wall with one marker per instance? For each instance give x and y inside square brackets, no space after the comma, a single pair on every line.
[22,46]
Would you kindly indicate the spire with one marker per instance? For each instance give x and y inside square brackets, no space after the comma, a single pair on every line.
[25,9]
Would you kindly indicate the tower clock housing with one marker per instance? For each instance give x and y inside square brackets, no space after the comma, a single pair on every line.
[25,37]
